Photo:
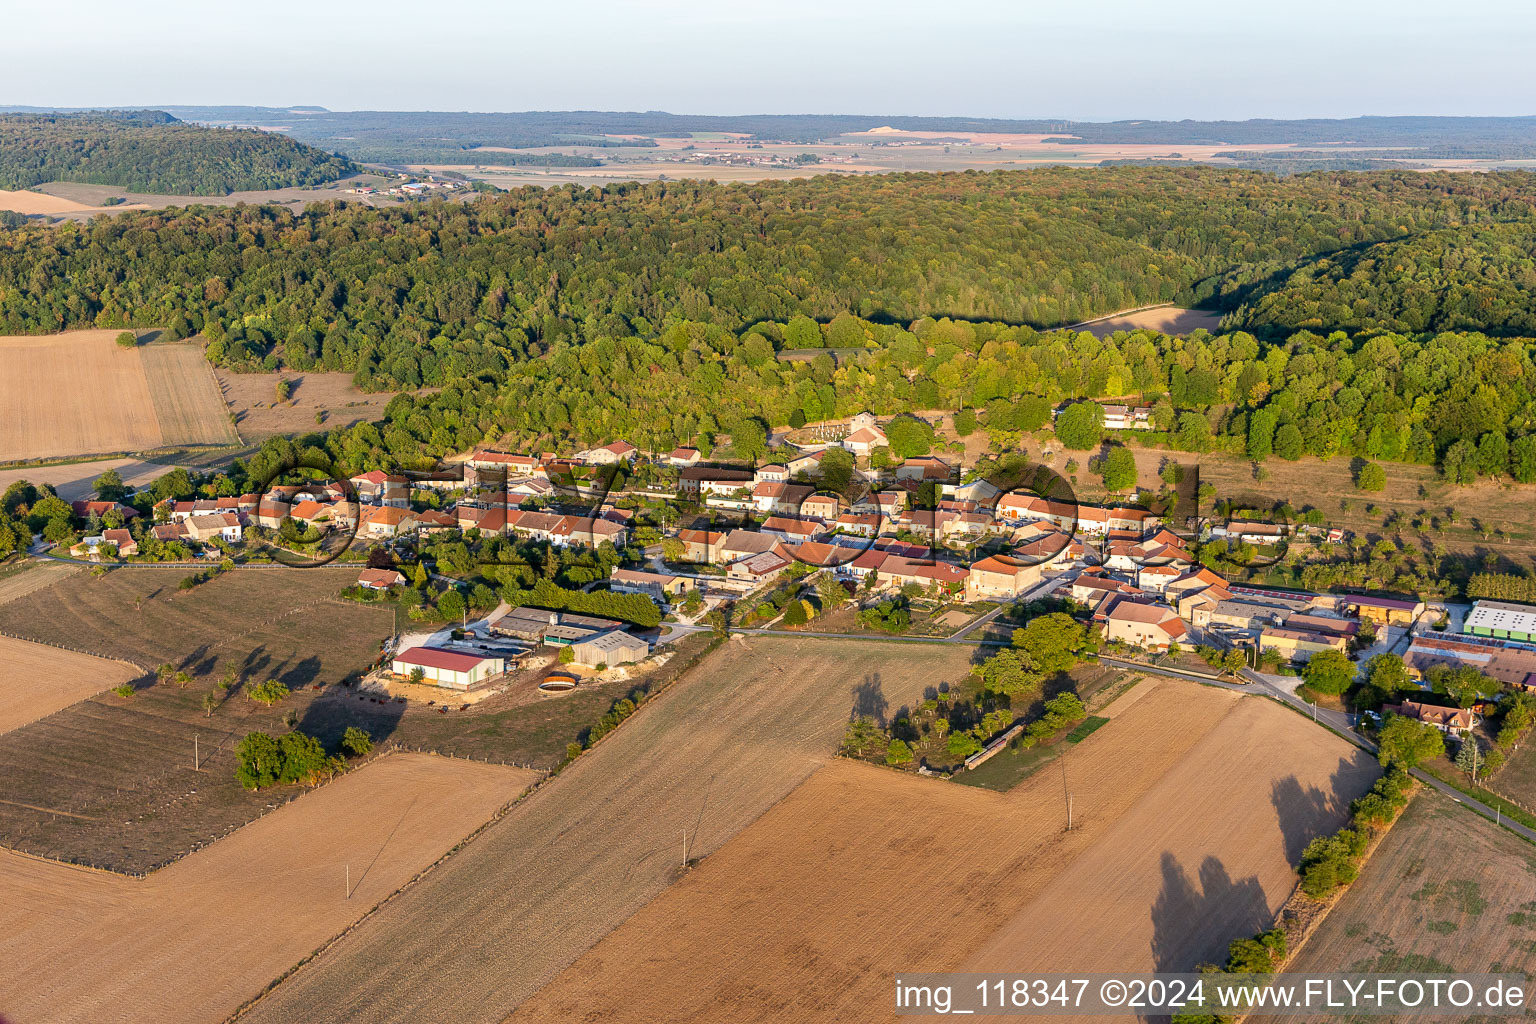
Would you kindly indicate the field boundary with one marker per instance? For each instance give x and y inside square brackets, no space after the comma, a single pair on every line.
[506,809]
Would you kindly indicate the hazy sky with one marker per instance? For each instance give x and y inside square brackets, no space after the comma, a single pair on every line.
[1085,59]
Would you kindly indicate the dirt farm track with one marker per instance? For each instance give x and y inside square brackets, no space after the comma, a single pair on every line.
[192,942]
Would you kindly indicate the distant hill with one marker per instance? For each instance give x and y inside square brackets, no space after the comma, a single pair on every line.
[151,151]
[372,134]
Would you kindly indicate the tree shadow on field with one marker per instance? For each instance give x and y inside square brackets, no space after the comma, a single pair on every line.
[1306,812]
[327,717]
[869,700]
[1193,920]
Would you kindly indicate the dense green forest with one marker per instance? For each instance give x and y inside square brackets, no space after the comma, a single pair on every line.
[1464,401]
[150,151]
[1480,277]
[656,312]
[423,294]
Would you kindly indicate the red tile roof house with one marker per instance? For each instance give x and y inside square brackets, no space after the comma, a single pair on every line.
[384,521]
[1454,721]
[86,509]
[225,525]
[380,579]
[865,439]
[683,457]
[126,545]
[781,497]
[701,545]
[792,529]
[380,488]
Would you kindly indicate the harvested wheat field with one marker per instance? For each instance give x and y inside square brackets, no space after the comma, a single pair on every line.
[252,397]
[40,680]
[1446,891]
[79,394]
[32,203]
[1167,319]
[192,942]
[186,396]
[604,837]
[861,872]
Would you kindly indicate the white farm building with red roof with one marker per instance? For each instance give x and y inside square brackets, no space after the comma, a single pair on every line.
[448,668]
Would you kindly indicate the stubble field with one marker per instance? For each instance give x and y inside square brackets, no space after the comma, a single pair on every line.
[190,943]
[185,396]
[40,680]
[598,842]
[1446,891]
[1189,805]
[252,397]
[79,394]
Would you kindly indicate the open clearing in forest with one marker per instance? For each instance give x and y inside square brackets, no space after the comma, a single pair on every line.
[1167,319]
[1446,891]
[604,837]
[194,941]
[252,397]
[40,680]
[1191,806]
[79,393]
[34,203]
[186,396]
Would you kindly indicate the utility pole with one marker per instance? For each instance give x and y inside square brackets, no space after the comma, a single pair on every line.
[685,849]
[347,880]
[196,760]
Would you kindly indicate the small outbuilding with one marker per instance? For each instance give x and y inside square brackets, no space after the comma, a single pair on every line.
[615,647]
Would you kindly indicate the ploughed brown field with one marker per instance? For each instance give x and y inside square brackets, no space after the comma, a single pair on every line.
[194,941]
[40,680]
[594,845]
[79,394]
[1447,891]
[1190,807]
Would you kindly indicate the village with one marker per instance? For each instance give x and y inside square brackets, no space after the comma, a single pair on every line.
[751,547]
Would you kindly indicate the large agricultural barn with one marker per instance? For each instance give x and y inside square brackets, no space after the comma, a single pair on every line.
[448,668]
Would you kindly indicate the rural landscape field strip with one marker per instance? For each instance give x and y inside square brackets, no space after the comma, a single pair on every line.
[862,872]
[1446,891]
[508,912]
[192,942]
[185,395]
[39,680]
[31,576]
